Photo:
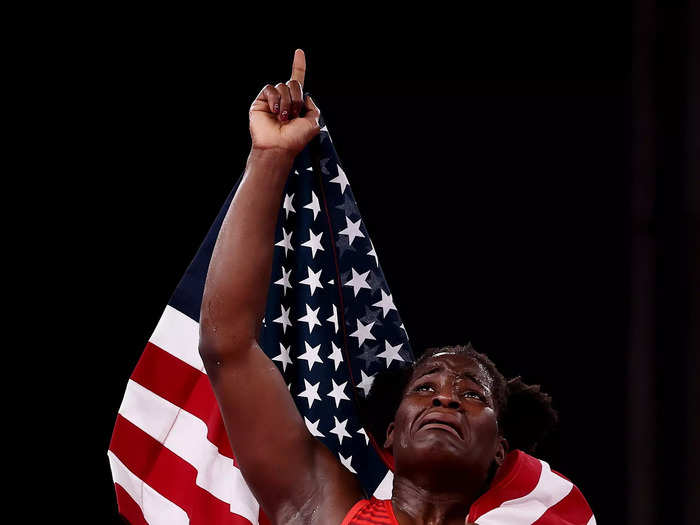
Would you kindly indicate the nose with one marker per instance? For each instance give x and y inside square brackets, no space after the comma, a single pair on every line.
[442,399]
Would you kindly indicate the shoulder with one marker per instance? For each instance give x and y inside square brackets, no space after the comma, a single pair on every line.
[527,489]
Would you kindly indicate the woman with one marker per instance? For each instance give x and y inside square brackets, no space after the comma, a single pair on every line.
[447,433]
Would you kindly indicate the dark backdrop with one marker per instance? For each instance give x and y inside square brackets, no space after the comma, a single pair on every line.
[529,187]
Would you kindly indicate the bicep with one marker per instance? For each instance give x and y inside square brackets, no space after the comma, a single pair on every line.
[278,457]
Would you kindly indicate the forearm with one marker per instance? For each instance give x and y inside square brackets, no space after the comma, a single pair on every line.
[237,282]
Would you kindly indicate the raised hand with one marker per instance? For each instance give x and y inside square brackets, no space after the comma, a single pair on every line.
[275,121]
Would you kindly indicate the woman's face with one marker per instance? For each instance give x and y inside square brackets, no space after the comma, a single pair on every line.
[447,419]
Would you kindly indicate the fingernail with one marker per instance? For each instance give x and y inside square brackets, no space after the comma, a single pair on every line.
[276,109]
[284,115]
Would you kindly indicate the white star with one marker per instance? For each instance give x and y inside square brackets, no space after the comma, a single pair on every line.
[283,357]
[311,318]
[352,230]
[284,319]
[336,356]
[310,392]
[362,431]
[358,281]
[391,353]
[313,205]
[338,393]
[288,205]
[284,281]
[311,355]
[373,253]
[339,429]
[363,332]
[334,318]
[286,242]
[314,243]
[313,280]
[341,179]
[366,383]
[347,463]
[387,303]
[313,427]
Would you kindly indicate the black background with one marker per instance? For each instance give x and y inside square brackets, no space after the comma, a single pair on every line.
[527,181]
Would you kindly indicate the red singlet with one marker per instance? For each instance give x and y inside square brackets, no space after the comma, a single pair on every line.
[371,512]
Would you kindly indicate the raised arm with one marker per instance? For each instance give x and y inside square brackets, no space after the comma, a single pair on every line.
[293,476]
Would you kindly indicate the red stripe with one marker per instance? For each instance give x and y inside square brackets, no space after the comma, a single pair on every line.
[169,475]
[517,477]
[573,510]
[181,384]
[128,507]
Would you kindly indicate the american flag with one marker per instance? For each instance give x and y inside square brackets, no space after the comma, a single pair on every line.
[330,325]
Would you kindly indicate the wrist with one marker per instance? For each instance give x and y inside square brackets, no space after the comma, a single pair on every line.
[278,156]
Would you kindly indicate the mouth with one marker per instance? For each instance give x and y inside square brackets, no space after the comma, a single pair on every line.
[438,422]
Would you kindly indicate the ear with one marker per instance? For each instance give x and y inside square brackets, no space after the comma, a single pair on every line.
[502,448]
[389,435]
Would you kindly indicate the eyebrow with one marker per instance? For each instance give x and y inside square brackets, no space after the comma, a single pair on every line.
[466,375]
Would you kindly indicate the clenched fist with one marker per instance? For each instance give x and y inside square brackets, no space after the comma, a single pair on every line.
[275,121]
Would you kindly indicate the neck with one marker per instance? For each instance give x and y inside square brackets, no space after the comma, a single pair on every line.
[419,502]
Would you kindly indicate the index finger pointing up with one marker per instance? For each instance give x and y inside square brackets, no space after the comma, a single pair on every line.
[299,67]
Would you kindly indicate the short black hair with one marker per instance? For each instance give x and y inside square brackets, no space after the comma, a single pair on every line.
[524,412]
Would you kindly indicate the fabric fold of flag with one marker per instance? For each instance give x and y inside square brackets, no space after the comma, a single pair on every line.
[330,325]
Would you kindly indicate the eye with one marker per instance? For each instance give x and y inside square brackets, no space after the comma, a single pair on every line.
[424,387]
[474,395]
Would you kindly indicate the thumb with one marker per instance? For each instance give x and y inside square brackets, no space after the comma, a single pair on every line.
[312,112]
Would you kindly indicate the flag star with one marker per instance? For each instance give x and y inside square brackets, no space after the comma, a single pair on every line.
[358,281]
[341,179]
[284,319]
[324,168]
[338,393]
[313,280]
[288,205]
[334,318]
[339,429]
[366,383]
[313,427]
[387,303]
[284,281]
[363,332]
[336,356]
[313,205]
[352,229]
[283,357]
[347,463]
[314,243]
[286,242]
[369,356]
[391,353]
[362,431]
[311,355]
[311,318]
[373,253]
[404,330]
[310,392]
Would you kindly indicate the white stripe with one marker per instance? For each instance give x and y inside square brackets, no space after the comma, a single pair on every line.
[156,508]
[591,521]
[186,435]
[550,490]
[386,487]
[178,335]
